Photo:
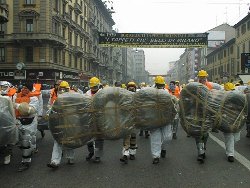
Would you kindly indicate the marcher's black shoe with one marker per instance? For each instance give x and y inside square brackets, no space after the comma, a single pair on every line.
[97,160]
[147,135]
[203,156]
[23,166]
[230,159]
[163,153]
[200,158]
[124,159]
[156,160]
[174,136]
[132,157]
[90,155]
[52,165]
[188,135]
[70,161]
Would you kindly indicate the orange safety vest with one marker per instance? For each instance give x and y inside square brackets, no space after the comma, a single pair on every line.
[53,96]
[20,99]
[209,85]
[176,92]
[37,86]
[11,92]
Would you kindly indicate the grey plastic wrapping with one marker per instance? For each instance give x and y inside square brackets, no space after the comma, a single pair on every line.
[194,116]
[216,86]
[70,120]
[8,129]
[155,108]
[113,115]
[202,109]
[228,110]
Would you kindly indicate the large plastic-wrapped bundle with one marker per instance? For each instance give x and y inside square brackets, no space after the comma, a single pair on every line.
[8,130]
[113,114]
[216,86]
[70,120]
[154,108]
[228,110]
[194,116]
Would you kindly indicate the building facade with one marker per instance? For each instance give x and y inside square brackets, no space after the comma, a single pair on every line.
[55,39]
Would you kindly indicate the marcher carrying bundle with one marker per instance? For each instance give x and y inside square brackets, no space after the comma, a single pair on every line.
[228,110]
[70,120]
[194,116]
[113,115]
[8,129]
[154,108]
[202,109]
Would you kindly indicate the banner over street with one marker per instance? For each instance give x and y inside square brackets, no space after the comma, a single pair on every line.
[154,40]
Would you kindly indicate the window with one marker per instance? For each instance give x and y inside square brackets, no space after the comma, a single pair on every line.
[2,54]
[70,13]
[64,8]
[243,48]
[80,63]
[29,54]
[55,55]
[75,62]
[64,32]
[70,60]
[29,2]
[225,53]
[231,50]
[70,37]
[76,40]
[238,32]
[29,25]
[248,25]
[243,28]
[63,57]
[56,5]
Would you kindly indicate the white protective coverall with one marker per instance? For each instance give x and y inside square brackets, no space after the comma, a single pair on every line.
[59,149]
[27,129]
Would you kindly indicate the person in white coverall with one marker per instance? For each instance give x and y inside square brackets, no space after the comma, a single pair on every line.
[6,150]
[58,149]
[230,138]
[160,136]
[94,147]
[26,106]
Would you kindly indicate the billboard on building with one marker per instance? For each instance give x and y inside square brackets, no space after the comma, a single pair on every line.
[216,38]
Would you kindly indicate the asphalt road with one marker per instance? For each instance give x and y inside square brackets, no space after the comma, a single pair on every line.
[178,169]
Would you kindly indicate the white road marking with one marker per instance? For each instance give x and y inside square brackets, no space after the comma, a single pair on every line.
[244,161]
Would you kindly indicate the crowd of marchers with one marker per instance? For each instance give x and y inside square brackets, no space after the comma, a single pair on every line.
[27,109]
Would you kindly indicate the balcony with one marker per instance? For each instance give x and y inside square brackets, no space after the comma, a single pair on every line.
[3,13]
[66,18]
[92,21]
[38,38]
[78,50]
[78,8]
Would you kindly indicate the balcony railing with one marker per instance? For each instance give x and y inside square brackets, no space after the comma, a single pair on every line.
[78,8]
[78,50]
[66,18]
[38,37]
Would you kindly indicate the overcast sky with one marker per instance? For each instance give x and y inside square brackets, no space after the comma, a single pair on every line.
[174,16]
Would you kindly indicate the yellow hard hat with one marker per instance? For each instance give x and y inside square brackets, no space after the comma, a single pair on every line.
[123,86]
[177,81]
[202,73]
[159,80]
[248,83]
[94,81]
[143,84]
[131,84]
[229,86]
[64,84]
